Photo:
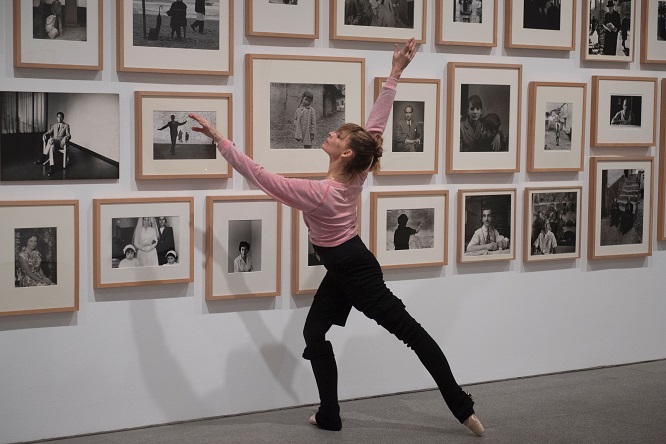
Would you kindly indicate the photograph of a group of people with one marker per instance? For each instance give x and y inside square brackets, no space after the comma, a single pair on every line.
[484,117]
[622,205]
[554,227]
[626,110]
[558,126]
[244,246]
[408,118]
[173,137]
[59,19]
[35,252]
[380,13]
[468,11]
[149,241]
[610,23]
[410,229]
[487,224]
[542,14]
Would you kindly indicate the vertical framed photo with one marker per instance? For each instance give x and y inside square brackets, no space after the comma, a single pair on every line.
[42,240]
[466,22]
[411,138]
[58,34]
[556,126]
[293,102]
[486,225]
[653,31]
[243,246]
[143,241]
[552,223]
[610,27]
[409,228]
[167,147]
[661,216]
[175,36]
[377,20]
[624,111]
[483,118]
[620,207]
[279,18]
[540,24]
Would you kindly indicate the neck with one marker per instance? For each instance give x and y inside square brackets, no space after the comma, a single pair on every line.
[336,172]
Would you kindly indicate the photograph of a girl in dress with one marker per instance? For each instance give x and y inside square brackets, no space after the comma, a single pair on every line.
[35,257]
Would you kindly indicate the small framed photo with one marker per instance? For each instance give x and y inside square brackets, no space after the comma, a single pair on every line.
[483,118]
[661,215]
[556,126]
[280,18]
[411,138]
[466,22]
[624,111]
[143,241]
[552,223]
[166,145]
[610,27]
[243,246]
[176,36]
[42,240]
[58,34]
[540,24]
[293,102]
[409,228]
[486,225]
[620,207]
[653,31]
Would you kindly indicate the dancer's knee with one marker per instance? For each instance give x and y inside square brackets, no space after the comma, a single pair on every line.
[318,349]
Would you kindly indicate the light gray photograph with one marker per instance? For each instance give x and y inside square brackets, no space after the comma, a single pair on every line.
[244,246]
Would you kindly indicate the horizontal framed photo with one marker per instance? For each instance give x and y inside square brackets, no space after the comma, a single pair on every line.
[42,240]
[409,228]
[661,216]
[178,37]
[610,27]
[411,138]
[624,111]
[486,225]
[540,24]
[143,241]
[483,118]
[466,22]
[58,34]
[552,223]
[556,126]
[166,145]
[620,207]
[377,21]
[279,18]
[293,102]
[243,246]
[653,31]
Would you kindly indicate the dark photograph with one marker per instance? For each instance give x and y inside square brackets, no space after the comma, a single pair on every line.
[661,20]
[412,229]
[59,20]
[173,137]
[625,110]
[487,224]
[542,14]
[484,117]
[554,227]
[144,241]
[35,252]
[609,28]
[408,117]
[244,246]
[380,13]
[557,136]
[622,205]
[468,11]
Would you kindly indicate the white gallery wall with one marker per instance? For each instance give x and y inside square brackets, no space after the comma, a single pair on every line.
[137,356]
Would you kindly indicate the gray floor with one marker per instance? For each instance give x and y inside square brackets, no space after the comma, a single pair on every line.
[625,404]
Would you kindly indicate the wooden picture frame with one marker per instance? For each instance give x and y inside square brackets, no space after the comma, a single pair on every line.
[299,21]
[529,29]
[234,223]
[653,45]
[661,183]
[124,224]
[183,154]
[593,48]
[455,26]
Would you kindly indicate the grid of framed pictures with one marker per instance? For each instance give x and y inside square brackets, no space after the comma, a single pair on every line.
[540,24]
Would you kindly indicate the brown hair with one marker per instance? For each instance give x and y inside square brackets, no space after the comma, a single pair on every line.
[367,148]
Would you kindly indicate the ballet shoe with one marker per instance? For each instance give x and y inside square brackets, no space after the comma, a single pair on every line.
[313,420]
[474,425]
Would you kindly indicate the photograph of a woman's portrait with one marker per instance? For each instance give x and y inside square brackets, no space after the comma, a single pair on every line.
[244,246]
[484,117]
[143,241]
[36,256]
[410,229]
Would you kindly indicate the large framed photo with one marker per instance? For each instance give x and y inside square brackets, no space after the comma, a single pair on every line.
[610,27]
[653,31]
[620,211]
[411,138]
[486,225]
[280,18]
[540,24]
[59,136]
[176,36]
[62,34]
[624,111]
[483,118]
[552,223]
[466,22]
[661,216]
[40,244]
[143,241]
[293,102]
[409,228]
[243,246]
[556,126]
[166,145]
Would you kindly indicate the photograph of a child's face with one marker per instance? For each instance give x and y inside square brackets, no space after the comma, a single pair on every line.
[468,11]
[626,110]
[35,251]
[622,205]
[410,229]
[380,13]
[408,118]
[484,118]
[558,121]
[244,246]
[59,20]
[173,137]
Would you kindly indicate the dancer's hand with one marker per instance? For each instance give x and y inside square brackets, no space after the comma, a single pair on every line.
[402,57]
[206,128]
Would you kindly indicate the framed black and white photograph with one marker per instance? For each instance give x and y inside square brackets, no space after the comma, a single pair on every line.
[620,210]
[243,246]
[42,240]
[166,145]
[486,225]
[175,36]
[293,102]
[610,27]
[552,223]
[143,241]
[556,121]
[483,118]
[540,24]
[624,111]
[653,31]
[409,228]
[62,34]
[59,136]
[466,22]
[280,18]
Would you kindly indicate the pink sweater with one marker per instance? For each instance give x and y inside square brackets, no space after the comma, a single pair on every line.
[328,206]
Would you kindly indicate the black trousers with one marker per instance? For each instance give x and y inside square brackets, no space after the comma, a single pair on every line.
[354,279]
